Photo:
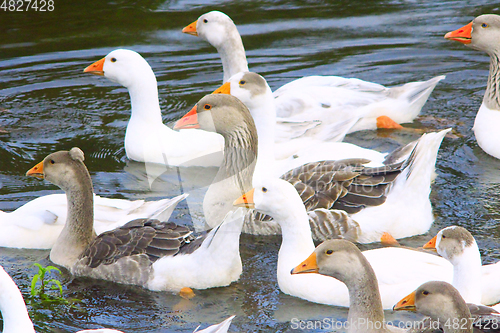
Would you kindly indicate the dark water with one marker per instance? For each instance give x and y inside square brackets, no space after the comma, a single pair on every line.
[48,104]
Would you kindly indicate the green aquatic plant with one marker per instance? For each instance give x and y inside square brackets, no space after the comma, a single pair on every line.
[46,301]
[39,289]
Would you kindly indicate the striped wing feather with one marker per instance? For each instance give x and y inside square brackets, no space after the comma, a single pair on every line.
[149,236]
[345,184]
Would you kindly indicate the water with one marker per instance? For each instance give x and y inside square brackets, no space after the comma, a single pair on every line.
[48,104]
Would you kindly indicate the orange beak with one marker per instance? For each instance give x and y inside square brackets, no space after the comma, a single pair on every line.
[96,67]
[310,265]
[224,89]
[36,171]
[191,29]
[407,303]
[189,120]
[431,245]
[462,35]
[246,200]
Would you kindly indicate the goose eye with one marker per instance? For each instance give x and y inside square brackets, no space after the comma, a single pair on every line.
[205,21]
[52,162]
[242,82]
[425,292]
[207,106]
[264,189]
[113,59]
[328,252]
[443,236]
[484,25]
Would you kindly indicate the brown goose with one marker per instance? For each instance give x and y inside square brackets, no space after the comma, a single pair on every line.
[483,34]
[437,299]
[342,260]
[377,198]
[446,307]
[145,252]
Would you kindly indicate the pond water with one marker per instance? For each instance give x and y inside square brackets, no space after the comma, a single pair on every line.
[47,104]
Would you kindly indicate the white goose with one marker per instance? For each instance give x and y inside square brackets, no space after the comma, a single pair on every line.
[476,283]
[38,223]
[16,319]
[340,105]
[145,252]
[147,139]
[277,157]
[252,89]
[377,199]
[483,34]
[399,271]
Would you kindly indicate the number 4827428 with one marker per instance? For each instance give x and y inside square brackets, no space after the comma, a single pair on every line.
[27,5]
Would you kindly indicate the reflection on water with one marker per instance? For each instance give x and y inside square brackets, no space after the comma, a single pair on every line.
[47,103]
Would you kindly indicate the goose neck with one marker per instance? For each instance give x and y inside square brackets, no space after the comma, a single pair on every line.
[265,124]
[462,316]
[240,154]
[492,95]
[233,55]
[14,313]
[467,274]
[365,309]
[234,177]
[297,243]
[144,101]
[78,232]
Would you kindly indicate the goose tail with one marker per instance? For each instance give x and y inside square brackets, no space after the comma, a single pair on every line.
[217,328]
[419,168]
[407,210]
[415,94]
[162,209]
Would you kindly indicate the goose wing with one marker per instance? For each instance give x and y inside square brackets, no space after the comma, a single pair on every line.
[345,184]
[149,236]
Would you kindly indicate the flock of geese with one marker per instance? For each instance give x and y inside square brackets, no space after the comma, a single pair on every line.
[282,170]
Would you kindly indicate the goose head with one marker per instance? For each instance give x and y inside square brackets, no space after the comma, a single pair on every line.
[483,33]
[453,243]
[438,300]
[274,197]
[337,258]
[61,168]
[122,66]
[250,88]
[214,27]
[220,113]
